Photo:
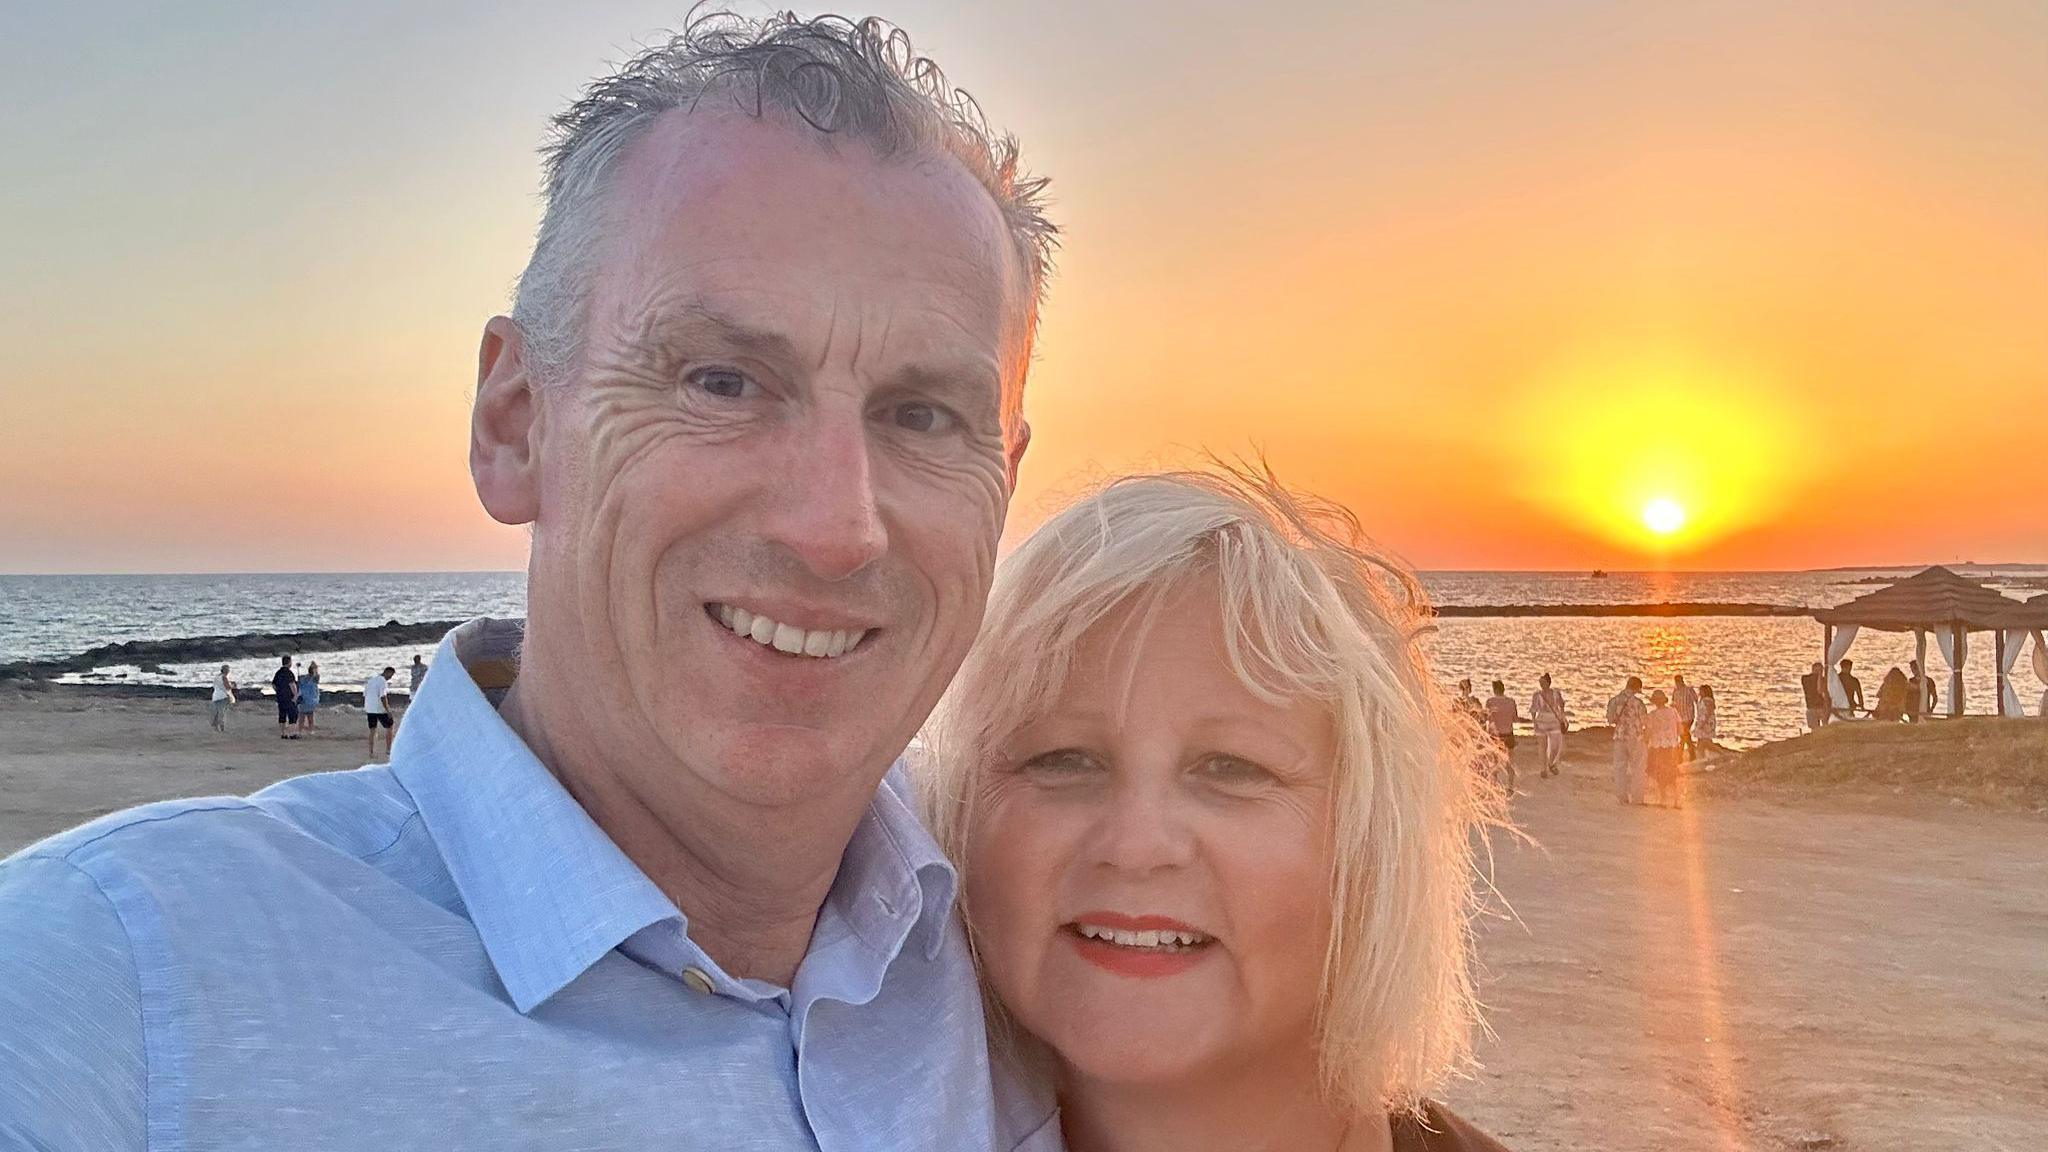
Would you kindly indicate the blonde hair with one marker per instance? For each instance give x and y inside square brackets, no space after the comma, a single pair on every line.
[1310,611]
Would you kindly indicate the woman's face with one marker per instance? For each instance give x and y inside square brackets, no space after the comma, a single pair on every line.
[1149,872]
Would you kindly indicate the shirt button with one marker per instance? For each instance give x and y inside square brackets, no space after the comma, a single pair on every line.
[697,980]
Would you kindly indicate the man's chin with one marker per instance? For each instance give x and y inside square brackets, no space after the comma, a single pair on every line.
[780,764]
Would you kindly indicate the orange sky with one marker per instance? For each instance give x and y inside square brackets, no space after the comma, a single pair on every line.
[1492,278]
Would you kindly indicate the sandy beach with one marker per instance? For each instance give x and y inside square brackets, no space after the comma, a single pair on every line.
[1857,966]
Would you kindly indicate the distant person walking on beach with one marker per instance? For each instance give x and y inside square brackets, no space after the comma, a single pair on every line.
[1852,690]
[1666,748]
[377,707]
[223,699]
[1814,686]
[309,695]
[1686,703]
[1547,714]
[1705,725]
[285,683]
[419,674]
[1500,720]
[1631,741]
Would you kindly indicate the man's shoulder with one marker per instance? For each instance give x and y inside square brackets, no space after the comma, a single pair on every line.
[357,813]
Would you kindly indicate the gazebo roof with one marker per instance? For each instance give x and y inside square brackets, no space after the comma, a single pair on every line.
[1937,599]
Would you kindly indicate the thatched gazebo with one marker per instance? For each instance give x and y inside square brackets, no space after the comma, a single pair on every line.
[1937,601]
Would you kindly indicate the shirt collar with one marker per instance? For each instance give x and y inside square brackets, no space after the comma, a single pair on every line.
[894,883]
[548,891]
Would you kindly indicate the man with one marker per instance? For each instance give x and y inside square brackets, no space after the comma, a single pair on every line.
[1547,714]
[285,683]
[1686,702]
[1630,720]
[1924,695]
[1814,686]
[377,707]
[1500,720]
[1852,691]
[644,874]
[419,675]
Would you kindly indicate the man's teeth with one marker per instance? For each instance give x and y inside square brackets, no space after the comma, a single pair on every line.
[821,643]
[1146,939]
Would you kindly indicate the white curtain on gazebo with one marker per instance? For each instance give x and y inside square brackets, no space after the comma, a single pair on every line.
[1844,636]
[2009,700]
[2040,658]
[1954,648]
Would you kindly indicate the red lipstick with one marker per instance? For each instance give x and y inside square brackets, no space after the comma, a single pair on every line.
[1136,961]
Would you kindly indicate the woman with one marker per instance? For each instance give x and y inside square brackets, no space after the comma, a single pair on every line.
[1664,727]
[1705,725]
[309,695]
[1214,826]
[223,699]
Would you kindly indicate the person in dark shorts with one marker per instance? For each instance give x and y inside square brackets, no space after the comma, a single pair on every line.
[285,683]
[377,708]
[1814,687]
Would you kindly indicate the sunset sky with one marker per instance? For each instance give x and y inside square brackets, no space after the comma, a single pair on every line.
[1498,276]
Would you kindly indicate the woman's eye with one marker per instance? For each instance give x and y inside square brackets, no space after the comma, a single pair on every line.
[1234,770]
[919,416]
[1063,762]
[721,382]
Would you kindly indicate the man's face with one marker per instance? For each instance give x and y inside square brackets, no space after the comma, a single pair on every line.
[772,491]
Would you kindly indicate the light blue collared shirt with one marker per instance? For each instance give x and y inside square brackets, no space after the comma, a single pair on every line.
[446,953]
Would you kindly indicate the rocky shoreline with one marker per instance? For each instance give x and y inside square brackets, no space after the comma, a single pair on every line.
[152,655]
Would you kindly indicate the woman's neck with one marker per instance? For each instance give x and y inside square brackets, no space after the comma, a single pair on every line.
[1273,1107]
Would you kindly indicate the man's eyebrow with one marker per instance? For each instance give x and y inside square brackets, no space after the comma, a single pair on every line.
[965,383]
[696,322]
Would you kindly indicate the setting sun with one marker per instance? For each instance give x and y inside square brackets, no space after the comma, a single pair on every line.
[1663,516]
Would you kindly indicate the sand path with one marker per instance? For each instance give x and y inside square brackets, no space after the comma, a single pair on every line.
[1852,972]
[1860,971]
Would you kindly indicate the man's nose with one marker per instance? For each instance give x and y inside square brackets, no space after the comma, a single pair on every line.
[828,514]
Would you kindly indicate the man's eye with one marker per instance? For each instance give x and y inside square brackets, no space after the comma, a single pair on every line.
[919,416]
[721,382]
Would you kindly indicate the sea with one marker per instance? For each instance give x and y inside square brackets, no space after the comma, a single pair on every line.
[1753,663]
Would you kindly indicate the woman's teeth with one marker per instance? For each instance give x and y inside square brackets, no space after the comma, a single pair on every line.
[1145,939]
[821,643]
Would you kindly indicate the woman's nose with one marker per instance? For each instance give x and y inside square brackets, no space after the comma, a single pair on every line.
[1140,829]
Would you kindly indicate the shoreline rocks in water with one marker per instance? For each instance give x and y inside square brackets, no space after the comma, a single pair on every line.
[152,655]
[1670,609]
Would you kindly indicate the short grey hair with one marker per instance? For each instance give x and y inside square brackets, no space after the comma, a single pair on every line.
[857,78]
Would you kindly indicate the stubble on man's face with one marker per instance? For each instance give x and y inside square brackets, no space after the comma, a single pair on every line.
[790,404]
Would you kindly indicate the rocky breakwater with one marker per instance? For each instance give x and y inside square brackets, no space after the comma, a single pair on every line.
[153,655]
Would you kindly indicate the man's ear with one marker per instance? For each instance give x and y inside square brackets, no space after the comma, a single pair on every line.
[1016,453]
[504,427]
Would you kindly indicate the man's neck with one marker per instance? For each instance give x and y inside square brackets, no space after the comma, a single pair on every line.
[1273,1108]
[750,882]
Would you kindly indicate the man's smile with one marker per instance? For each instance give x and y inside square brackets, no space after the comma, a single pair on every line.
[822,643]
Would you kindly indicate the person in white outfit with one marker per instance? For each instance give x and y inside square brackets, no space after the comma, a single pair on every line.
[1547,713]
[223,699]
